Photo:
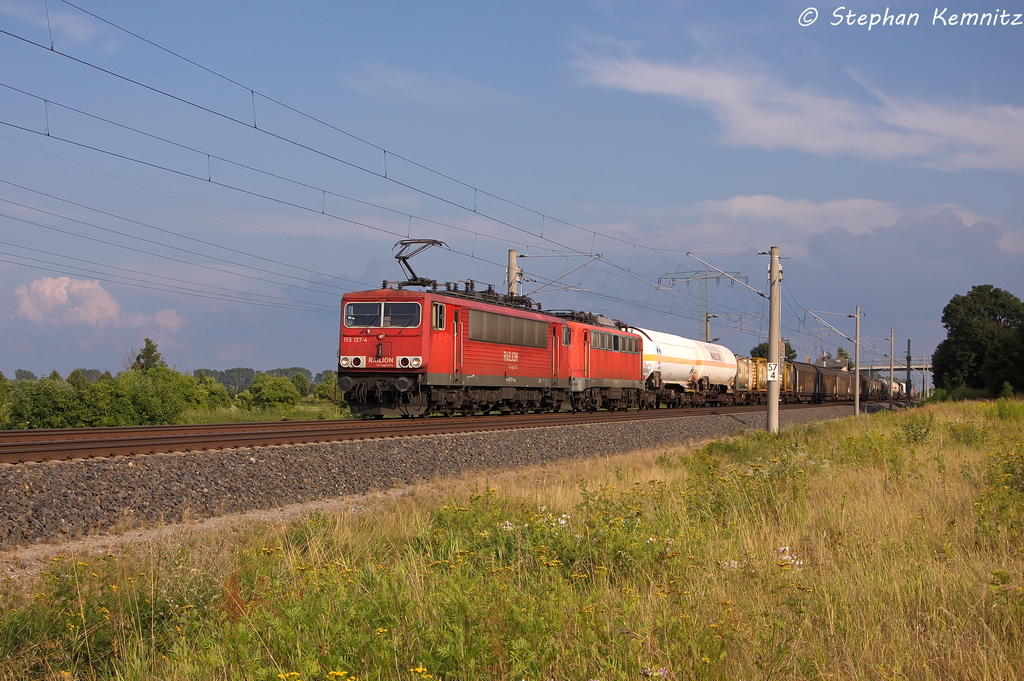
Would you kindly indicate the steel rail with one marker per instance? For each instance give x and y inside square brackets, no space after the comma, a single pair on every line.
[45,445]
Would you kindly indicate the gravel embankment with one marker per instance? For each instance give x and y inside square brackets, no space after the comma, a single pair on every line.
[60,500]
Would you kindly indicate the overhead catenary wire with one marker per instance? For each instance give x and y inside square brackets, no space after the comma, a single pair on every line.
[253,93]
[385,152]
[173,233]
[58,268]
[188,285]
[345,162]
[150,241]
[298,206]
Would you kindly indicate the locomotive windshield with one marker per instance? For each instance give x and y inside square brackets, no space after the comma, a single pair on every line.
[382,315]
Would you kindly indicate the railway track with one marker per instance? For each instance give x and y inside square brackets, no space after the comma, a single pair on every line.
[22,446]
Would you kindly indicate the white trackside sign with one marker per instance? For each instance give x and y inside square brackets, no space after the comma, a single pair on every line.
[773,371]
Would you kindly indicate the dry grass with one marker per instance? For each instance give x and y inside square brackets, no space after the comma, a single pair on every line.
[882,547]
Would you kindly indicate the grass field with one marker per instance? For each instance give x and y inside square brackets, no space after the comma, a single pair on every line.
[885,547]
[309,409]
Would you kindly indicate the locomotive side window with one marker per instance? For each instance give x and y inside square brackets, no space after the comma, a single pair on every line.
[382,315]
[437,316]
[615,343]
[501,328]
[566,336]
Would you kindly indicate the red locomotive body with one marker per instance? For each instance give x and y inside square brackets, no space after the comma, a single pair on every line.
[414,353]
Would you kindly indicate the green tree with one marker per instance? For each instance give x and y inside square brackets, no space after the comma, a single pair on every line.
[1004,362]
[289,372]
[158,395]
[49,403]
[761,350]
[213,392]
[267,392]
[235,380]
[301,383]
[78,379]
[148,358]
[974,322]
[327,386]
[842,354]
[6,388]
[24,375]
[108,403]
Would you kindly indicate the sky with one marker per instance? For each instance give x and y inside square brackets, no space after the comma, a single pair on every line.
[215,176]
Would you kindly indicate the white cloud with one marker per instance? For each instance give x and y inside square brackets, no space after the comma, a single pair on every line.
[75,26]
[800,215]
[763,111]
[64,301]
[746,222]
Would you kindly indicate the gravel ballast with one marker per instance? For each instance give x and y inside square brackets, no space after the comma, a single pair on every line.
[67,499]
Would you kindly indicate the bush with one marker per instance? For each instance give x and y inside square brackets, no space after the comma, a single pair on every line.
[213,393]
[47,403]
[159,395]
[327,388]
[301,383]
[156,396]
[267,392]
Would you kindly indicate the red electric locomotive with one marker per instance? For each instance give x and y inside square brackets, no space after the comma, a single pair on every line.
[414,353]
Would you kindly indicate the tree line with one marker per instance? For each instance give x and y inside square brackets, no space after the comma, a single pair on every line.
[148,392]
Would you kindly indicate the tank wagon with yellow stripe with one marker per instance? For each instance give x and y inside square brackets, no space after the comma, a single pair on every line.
[684,372]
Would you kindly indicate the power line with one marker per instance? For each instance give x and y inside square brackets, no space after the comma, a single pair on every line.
[291,204]
[205,292]
[145,252]
[59,268]
[285,139]
[253,92]
[350,164]
[173,233]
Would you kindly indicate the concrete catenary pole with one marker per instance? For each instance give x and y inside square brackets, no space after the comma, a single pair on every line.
[774,334]
[892,377]
[856,364]
[512,278]
[707,325]
[909,384]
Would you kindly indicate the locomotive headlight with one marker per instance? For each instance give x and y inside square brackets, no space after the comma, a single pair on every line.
[403,362]
[417,362]
[345,362]
[357,361]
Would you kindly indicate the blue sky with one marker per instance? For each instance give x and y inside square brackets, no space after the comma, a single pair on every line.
[221,207]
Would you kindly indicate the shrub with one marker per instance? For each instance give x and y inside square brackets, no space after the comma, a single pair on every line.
[47,403]
[327,388]
[301,383]
[213,393]
[267,392]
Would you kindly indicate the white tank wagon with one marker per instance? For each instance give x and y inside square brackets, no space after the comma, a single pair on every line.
[681,371]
